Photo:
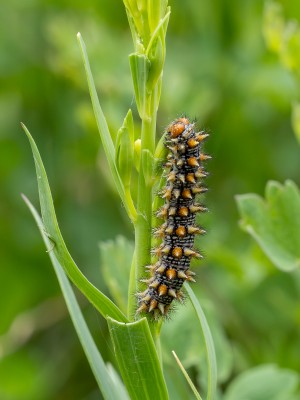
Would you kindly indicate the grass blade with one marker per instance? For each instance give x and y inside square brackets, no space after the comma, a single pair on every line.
[101,373]
[189,381]
[105,134]
[102,303]
[138,361]
[209,345]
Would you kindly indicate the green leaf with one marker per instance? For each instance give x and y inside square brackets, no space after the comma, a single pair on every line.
[160,153]
[105,134]
[138,361]
[156,51]
[192,386]
[262,383]
[129,125]
[147,166]
[117,382]
[156,11]
[137,154]
[274,222]
[102,375]
[102,303]
[140,65]
[138,25]
[125,149]
[209,345]
[116,258]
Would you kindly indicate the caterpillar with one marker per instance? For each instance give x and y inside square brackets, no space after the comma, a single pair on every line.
[184,173]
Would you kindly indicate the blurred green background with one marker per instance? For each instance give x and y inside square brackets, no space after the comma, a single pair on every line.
[217,70]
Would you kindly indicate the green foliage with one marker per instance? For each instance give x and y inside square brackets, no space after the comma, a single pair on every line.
[140,65]
[133,345]
[217,69]
[137,359]
[103,378]
[274,223]
[106,136]
[102,303]
[125,150]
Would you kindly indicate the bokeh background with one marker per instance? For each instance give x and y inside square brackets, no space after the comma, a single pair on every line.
[217,70]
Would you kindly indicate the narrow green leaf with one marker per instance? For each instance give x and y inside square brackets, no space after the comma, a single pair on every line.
[138,45]
[101,373]
[102,303]
[105,134]
[125,150]
[117,382]
[147,166]
[129,125]
[264,382]
[156,11]
[156,51]
[274,222]
[138,361]
[161,150]
[140,65]
[124,157]
[209,345]
[186,375]
[137,154]
[138,25]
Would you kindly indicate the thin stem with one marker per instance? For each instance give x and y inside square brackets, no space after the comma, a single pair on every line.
[144,201]
[131,307]
[155,328]
[192,386]
[144,204]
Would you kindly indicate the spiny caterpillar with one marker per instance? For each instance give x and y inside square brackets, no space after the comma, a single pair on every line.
[184,172]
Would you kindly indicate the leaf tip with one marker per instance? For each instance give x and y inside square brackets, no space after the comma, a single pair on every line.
[80,39]
[23,196]
[26,200]
[24,127]
[175,355]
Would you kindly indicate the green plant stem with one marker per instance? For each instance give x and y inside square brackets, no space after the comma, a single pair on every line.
[131,307]
[155,328]
[144,204]
[149,125]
